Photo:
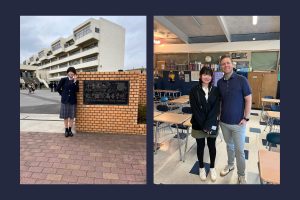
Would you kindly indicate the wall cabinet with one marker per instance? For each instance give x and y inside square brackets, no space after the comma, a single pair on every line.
[262,84]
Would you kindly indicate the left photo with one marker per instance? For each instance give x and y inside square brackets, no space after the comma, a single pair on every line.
[83,99]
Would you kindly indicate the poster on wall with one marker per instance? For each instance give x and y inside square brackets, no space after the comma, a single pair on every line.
[194,75]
[171,77]
[217,76]
[187,78]
[181,75]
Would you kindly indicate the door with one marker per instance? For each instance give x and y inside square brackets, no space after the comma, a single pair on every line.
[255,81]
[269,84]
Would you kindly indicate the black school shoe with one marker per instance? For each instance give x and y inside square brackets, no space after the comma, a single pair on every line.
[70,132]
[67,133]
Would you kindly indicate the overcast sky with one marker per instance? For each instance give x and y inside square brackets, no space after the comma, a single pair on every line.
[37,32]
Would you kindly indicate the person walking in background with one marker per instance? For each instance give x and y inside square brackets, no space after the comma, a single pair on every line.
[236,100]
[29,88]
[205,105]
[51,86]
[67,88]
[55,86]
[33,87]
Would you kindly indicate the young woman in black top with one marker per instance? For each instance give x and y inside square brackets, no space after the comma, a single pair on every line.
[67,88]
[205,105]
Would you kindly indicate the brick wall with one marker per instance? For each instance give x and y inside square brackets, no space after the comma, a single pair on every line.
[114,119]
[143,90]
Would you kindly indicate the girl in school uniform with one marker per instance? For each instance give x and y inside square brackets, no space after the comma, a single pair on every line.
[205,105]
[67,88]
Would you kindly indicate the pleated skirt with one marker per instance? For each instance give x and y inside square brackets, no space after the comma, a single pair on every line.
[67,111]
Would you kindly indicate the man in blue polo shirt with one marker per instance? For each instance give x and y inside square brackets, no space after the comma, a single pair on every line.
[236,100]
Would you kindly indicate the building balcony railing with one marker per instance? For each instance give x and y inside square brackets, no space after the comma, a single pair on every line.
[87,37]
[73,57]
[87,64]
[56,78]
[70,48]
[57,51]
[78,66]
[44,57]
[50,56]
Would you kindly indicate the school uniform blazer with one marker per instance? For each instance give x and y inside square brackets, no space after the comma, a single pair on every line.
[67,91]
[204,112]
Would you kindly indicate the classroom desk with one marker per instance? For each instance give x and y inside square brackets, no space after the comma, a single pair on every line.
[265,100]
[179,101]
[269,166]
[185,97]
[171,118]
[188,124]
[273,114]
[156,113]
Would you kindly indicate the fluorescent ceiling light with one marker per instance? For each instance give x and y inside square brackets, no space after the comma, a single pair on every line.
[254,20]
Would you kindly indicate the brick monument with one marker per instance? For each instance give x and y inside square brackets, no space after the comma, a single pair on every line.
[97,113]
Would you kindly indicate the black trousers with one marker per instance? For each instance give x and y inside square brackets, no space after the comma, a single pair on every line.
[211,143]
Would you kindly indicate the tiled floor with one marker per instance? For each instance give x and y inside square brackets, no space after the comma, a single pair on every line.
[168,169]
[83,159]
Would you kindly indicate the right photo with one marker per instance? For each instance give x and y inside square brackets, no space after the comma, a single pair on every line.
[216,99]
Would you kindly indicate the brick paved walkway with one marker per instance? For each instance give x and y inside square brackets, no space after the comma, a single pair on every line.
[50,158]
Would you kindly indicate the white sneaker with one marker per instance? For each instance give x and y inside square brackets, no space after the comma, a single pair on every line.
[226,170]
[202,174]
[242,180]
[213,174]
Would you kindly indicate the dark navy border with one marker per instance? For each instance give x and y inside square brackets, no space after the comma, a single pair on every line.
[9,148]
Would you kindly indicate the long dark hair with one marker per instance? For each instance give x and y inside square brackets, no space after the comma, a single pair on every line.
[207,71]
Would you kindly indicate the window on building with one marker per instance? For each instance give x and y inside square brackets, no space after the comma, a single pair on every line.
[41,54]
[74,62]
[62,57]
[90,69]
[69,43]
[56,46]
[74,52]
[90,46]
[53,59]
[63,65]
[82,32]
[89,59]
[97,30]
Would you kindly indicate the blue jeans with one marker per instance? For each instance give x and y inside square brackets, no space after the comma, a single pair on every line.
[234,136]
